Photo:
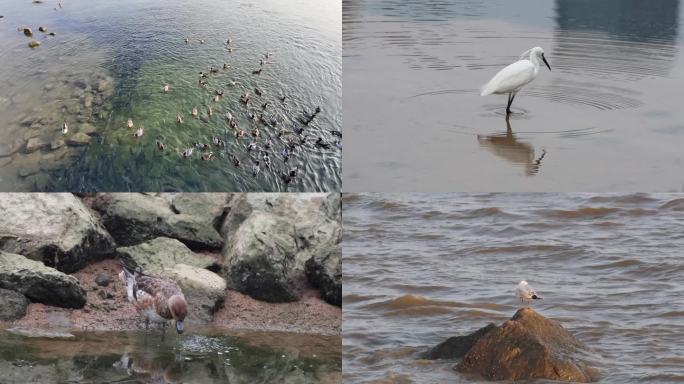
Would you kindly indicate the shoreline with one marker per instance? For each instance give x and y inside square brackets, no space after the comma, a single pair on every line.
[108,309]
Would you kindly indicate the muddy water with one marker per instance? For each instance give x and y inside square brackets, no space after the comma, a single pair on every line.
[109,61]
[207,357]
[606,118]
[419,268]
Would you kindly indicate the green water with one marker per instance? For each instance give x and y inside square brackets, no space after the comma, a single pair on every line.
[206,357]
[139,46]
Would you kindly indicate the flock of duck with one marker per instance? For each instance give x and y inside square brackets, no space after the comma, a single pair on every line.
[260,148]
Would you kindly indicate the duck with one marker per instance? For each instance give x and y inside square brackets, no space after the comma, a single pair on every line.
[217,98]
[232,123]
[267,159]
[244,98]
[336,133]
[257,71]
[323,144]
[201,82]
[138,132]
[157,299]
[264,105]
[229,116]
[262,62]
[228,42]
[232,83]
[129,123]
[286,154]
[298,129]
[217,141]
[187,153]
[201,146]
[194,112]
[240,133]
[160,146]
[166,88]
[226,66]
[213,70]
[201,41]
[230,50]
[258,91]
[256,168]
[236,161]
[179,118]
[65,128]
[252,146]
[268,144]
[187,41]
[208,156]
[255,132]
[210,112]
[282,97]
[219,93]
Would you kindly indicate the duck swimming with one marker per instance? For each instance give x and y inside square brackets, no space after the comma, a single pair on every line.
[179,118]
[157,299]
[166,88]
[226,66]
[217,141]
[194,112]
[232,83]
[256,168]
[236,161]
[252,146]
[160,145]
[257,72]
[187,153]
[258,91]
[65,128]
[217,98]
[129,123]
[244,98]
[208,156]
[256,132]
[240,133]
[138,132]
[209,111]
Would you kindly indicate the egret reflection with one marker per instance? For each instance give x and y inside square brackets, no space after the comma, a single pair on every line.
[508,147]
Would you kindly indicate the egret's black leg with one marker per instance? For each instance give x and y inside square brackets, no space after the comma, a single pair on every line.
[511,96]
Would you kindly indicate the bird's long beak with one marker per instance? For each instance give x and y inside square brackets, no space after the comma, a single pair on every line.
[179,327]
[546,62]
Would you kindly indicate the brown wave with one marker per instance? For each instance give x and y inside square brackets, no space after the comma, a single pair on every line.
[428,310]
[674,204]
[414,301]
[520,248]
[672,314]
[618,264]
[594,212]
[663,378]
[352,298]
[634,198]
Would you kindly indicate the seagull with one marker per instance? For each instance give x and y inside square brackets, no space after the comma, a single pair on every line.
[526,293]
[158,299]
[512,78]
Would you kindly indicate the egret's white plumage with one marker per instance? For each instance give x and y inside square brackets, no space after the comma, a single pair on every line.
[515,76]
[525,292]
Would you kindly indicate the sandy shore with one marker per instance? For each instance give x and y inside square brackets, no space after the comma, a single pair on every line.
[107,308]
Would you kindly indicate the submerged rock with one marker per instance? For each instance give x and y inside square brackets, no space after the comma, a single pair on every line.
[40,283]
[528,346]
[35,144]
[270,238]
[78,140]
[134,218]
[55,228]
[12,305]
[457,346]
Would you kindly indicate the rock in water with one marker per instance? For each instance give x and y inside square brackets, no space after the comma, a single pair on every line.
[529,346]
[54,228]
[12,305]
[457,346]
[78,140]
[40,283]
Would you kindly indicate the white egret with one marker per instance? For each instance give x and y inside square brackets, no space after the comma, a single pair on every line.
[525,292]
[515,76]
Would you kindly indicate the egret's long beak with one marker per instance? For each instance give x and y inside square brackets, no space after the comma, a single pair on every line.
[179,327]
[546,62]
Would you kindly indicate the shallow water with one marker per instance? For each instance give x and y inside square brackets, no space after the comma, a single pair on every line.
[138,46]
[419,268]
[606,118]
[206,357]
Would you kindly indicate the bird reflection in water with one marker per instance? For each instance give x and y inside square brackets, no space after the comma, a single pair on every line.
[507,146]
[152,368]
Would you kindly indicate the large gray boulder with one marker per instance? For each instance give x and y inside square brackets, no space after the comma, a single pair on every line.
[457,346]
[204,290]
[132,218]
[55,228]
[529,346]
[324,271]
[162,253]
[40,283]
[12,305]
[270,237]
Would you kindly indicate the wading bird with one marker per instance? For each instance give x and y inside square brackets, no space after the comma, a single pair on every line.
[515,76]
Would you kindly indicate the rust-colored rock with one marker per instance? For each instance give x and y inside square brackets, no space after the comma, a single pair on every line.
[528,346]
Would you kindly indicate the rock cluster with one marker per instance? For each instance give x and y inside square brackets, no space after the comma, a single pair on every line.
[268,246]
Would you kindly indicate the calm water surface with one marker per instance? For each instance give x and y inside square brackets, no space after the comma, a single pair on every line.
[206,357]
[606,118]
[419,268]
[109,61]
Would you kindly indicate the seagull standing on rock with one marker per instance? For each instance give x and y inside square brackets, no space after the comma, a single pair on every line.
[526,293]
